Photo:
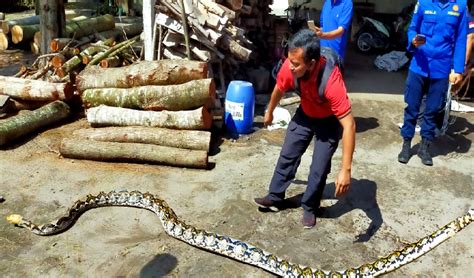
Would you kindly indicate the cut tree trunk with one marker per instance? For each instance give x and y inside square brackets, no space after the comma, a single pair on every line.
[57,44]
[132,152]
[3,41]
[184,139]
[190,95]
[130,29]
[34,89]
[110,62]
[21,33]
[20,125]
[113,116]
[35,48]
[163,72]
[235,48]
[80,28]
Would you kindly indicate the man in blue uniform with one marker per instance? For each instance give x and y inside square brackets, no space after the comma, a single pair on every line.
[437,38]
[335,22]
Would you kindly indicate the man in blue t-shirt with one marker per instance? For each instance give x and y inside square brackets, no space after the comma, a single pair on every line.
[335,21]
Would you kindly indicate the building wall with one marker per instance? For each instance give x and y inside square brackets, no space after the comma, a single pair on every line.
[381,6]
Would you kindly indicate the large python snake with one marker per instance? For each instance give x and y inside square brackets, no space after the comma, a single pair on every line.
[234,248]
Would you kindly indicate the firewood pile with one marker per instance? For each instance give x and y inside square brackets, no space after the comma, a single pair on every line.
[217,32]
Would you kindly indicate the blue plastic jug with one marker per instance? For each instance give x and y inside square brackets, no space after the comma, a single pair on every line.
[239,107]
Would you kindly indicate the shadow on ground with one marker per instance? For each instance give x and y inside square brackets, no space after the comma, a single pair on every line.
[361,195]
[160,266]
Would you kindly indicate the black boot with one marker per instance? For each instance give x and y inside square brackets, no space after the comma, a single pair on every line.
[424,154]
[404,154]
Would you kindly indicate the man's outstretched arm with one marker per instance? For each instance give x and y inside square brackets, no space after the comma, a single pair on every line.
[343,179]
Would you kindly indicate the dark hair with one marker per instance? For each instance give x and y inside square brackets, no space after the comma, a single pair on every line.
[308,41]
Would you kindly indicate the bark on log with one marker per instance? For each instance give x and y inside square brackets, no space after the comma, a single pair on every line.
[34,89]
[130,29]
[184,139]
[20,125]
[35,19]
[133,152]
[235,48]
[81,28]
[193,119]
[4,27]
[190,95]
[163,72]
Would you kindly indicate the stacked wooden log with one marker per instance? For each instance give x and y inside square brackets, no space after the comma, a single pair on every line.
[155,112]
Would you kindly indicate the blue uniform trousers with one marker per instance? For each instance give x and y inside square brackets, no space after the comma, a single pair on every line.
[416,87]
[301,131]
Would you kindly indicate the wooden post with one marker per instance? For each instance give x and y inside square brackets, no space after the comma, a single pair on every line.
[52,19]
[148,20]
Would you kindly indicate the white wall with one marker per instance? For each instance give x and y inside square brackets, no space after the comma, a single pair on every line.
[381,6]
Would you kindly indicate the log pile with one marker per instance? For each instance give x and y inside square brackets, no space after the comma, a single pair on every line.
[151,111]
[218,32]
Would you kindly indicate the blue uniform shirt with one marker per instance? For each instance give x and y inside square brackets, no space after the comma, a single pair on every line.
[444,23]
[335,14]
[471,25]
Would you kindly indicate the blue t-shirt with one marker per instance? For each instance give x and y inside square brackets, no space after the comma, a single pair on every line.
[444,24]
[335,14]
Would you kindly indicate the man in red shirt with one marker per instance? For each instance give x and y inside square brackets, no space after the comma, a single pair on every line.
[315,117]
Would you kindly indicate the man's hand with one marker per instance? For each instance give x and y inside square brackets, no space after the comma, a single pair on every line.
[343,181]
[417,43]
[455,78]
[318,31]
[268,119]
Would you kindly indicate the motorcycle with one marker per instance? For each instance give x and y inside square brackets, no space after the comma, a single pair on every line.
[375,35]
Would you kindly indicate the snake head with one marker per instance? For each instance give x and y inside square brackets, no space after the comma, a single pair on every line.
[14,219]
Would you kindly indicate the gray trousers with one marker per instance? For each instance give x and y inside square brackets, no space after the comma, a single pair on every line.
[300,132]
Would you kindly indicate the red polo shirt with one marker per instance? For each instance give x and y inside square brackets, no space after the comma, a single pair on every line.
[337,103]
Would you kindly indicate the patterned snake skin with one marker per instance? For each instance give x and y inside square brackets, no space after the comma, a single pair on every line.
[236,249]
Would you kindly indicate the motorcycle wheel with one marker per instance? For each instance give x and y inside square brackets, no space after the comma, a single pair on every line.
[364,42]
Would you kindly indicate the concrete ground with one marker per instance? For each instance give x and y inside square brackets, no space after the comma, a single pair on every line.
[388,204]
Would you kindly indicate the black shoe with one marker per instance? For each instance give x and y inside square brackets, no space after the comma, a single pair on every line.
[424,154]
[404,154]
[309,219]
[266,203]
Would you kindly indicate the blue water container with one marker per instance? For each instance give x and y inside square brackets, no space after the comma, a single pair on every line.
[239,107]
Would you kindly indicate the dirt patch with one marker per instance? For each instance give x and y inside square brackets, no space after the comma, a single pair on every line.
[388,204]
